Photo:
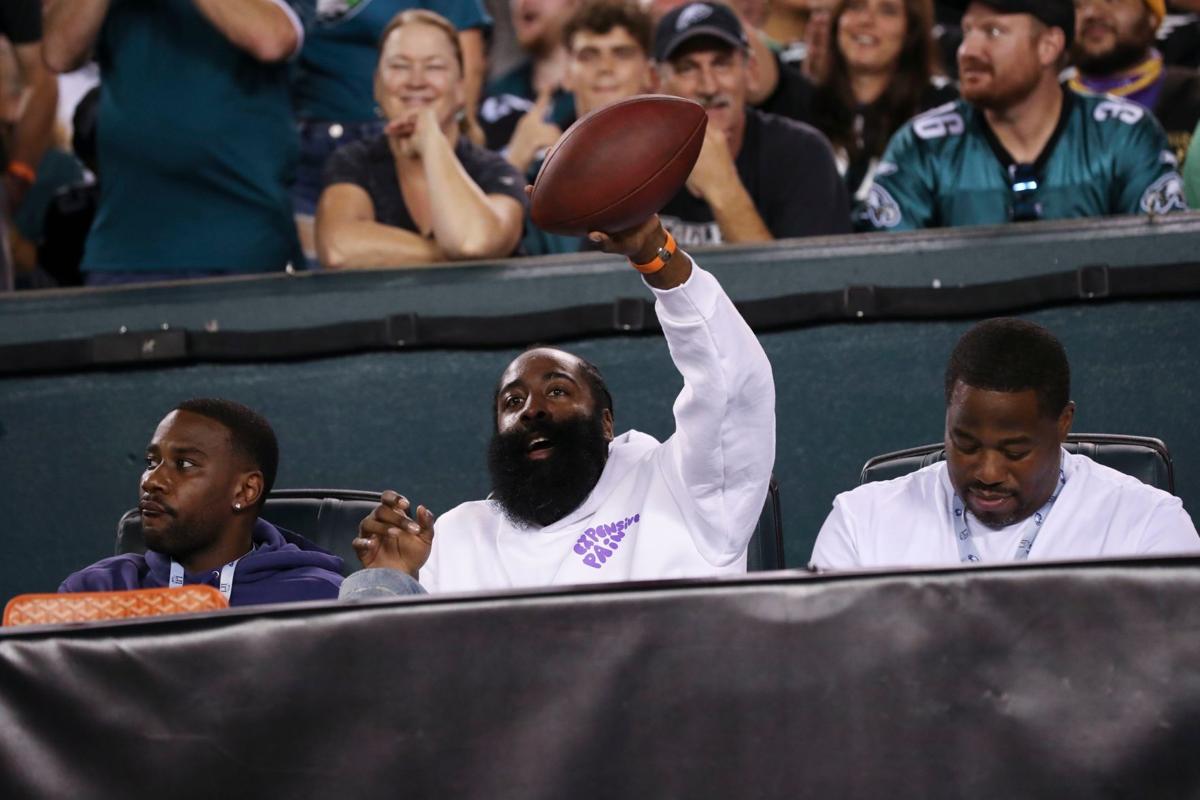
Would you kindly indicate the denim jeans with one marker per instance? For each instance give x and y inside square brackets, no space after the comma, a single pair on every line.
[318,140]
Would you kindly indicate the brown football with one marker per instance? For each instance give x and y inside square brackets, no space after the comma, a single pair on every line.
[618,165]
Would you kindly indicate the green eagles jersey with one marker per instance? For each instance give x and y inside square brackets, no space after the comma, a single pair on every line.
[946,168]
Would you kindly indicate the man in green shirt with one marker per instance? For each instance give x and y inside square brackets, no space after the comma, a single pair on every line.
[1019,146]
[196,138]
[1191,170]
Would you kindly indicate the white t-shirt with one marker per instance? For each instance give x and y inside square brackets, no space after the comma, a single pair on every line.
[683,508]
[907,522]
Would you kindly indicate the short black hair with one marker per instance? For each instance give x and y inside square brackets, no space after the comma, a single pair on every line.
[1012,355]
[250,433]
[601,16]
[591,376]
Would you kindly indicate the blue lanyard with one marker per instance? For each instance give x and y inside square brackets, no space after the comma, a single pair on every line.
[969,554]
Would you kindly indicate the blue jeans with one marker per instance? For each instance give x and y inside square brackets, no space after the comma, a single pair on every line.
[318,140]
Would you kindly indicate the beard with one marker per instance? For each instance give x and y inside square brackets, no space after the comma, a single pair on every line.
[540,493]
[178,539]
[1123,56]
[1004,90]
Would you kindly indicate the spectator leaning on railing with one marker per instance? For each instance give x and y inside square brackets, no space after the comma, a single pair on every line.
[333,83]
[421,192]
[199,144]
[1019,146]
[881,73]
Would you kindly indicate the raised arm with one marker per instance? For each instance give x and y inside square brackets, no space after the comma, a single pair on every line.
[723,448]
[34,130]
[71,28]
[269,30]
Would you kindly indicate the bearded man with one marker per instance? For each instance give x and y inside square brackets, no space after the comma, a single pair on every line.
[1019,146]
[1115,54]
[572,503]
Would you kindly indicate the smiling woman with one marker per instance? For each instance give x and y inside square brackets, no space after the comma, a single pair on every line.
[421,193]
[882,72]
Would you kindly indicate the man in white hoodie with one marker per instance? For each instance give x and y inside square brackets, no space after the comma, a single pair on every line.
[571,503]
[1007,490]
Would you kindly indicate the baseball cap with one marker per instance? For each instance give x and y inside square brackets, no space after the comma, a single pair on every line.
[1055,13]
[697,19]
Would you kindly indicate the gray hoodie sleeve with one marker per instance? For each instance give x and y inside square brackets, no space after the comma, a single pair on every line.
[372,584]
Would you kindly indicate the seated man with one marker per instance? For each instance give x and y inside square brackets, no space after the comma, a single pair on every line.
[759,177]
[570,502]
[1007,491]
[1018,146]
[209,468]
[1115,54]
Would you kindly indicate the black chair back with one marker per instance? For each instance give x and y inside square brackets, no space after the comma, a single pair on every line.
[1143,457]
[766,545]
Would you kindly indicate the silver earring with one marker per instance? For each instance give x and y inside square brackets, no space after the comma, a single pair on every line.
[238,506]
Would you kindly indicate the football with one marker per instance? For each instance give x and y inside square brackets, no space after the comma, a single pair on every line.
[618,165]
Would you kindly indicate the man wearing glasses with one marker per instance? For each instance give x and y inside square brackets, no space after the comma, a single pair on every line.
[1019,146]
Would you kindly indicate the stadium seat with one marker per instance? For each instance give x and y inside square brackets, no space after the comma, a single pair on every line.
[328,518]
[766,545]
[1143,457]
[57,609]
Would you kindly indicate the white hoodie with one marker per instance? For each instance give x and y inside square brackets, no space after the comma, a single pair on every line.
[683,508]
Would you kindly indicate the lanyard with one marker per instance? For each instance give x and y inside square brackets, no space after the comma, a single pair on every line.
[969,554]
[226,585]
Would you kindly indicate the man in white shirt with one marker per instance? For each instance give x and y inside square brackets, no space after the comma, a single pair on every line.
[571,503]
[1007,490]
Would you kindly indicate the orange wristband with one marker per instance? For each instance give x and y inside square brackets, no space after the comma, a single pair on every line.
[660,260]
[19,169]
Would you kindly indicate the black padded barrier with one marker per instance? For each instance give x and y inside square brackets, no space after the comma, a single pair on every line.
[622,316]
[1030,681]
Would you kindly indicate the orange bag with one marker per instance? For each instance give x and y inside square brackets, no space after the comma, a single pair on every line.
[54,609]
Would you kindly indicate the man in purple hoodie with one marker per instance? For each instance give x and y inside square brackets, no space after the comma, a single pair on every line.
[209,468]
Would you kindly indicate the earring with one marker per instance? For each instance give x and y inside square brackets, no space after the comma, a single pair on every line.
[237,506]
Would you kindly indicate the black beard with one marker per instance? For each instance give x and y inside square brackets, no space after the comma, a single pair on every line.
[1124,56]
[540,493]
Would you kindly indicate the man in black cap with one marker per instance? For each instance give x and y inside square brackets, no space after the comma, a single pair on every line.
[1019,146]
[759,177]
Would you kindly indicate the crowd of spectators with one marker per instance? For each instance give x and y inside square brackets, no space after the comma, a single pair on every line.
[242,136]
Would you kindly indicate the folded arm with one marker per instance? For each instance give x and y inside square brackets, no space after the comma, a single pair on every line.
[269,30]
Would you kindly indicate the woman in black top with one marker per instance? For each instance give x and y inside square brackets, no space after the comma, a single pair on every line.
[882,72]
[421,193]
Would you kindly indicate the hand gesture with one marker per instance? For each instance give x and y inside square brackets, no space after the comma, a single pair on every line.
[533,133]
[715,167]
[410,137]
[391,539]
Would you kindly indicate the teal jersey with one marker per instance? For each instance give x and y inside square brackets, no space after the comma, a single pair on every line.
[334,78]
[195,144]
[1191,170]
[945,168]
